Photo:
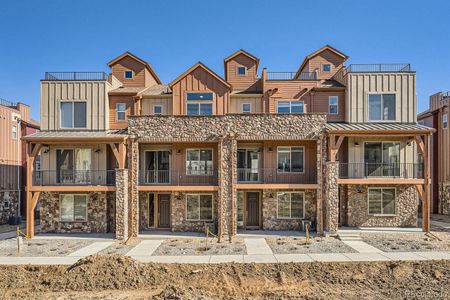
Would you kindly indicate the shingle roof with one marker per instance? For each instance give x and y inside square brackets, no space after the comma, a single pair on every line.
[159,89]
[378,127]
[106,134]
[127,90]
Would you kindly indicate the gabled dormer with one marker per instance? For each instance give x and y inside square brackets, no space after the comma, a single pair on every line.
[241,70]
[324,62]
[133,71]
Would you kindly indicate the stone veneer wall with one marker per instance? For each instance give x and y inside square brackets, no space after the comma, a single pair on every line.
[9,201]
[111,211]
[444,198]
[96,214]
[143,211]
[331,196]
[270,206]
[133,200]
[122,205]
[406,206]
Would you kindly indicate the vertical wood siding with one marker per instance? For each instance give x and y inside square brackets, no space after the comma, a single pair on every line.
[242,82]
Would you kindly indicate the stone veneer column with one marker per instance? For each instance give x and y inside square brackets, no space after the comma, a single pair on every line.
[121,204]
[227,152]
[319,196]
[331,198]
[133,201]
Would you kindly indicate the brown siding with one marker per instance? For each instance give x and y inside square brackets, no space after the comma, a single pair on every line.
[319,103]
[113,100]
[242,82]
[325,57]
[289,89]
[444,147]
[8,151]
[142,77]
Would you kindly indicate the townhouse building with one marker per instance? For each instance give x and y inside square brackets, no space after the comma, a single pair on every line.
[328,144]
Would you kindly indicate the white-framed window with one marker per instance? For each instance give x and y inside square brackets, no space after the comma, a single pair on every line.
[326,68]
[128,74]
[14,131]
[333,105]
[73,165]
[290,107]
[291,159]
[290,205]
[381,201]
[157,110]
[199,207]
[246,108]
[199,104]
[445,121]
[72,114]
[120,109]
[241,71]
[73,207]
[199,162]
[381,107]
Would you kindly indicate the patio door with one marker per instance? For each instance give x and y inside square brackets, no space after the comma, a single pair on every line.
[163,211]
[382,159]
[248,165]
[252,205]
[157,167]
[73,166]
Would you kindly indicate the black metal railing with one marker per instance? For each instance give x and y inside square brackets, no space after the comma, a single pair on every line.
[76,76]
[380,170]
[74,177]
[275,176]
[178,178]
[379,68]
[291,76]
[446,94]
[7,103]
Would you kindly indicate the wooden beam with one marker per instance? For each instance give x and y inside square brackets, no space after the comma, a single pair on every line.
[420,144]
[71,188]
[254,186]
[36,150]
[380,180]
[30,212]
[122,155]
[427,186]
[334,146]
[115,151]
[419,189]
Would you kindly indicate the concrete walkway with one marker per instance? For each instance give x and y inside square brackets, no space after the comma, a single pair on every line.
[93,248]
[144,249]
[257,246]
[353,240]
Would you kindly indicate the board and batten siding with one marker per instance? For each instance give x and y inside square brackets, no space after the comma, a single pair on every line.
[360,85]
[164,101]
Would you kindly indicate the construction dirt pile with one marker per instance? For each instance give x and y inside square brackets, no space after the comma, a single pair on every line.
[120,277]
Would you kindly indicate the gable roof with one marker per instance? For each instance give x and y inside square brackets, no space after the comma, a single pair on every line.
[199,65]
[326,47]
[131,55]
[243,52]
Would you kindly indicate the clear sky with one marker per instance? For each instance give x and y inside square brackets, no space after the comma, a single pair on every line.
[81,35]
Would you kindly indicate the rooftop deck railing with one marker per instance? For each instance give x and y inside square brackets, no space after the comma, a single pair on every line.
[7,103]
[446,94]
[291,76]
[381,170]
[177,178]
[63,76]
[274,176]
[378,68]
[74,177]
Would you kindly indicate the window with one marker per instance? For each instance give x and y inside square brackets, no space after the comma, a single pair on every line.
[290,107]
[381,201]
[73,165]
[241,71]
[120,108]
[199,104]
[157,110]
[290,159]
[333,105]
[73,114]
[326,68]
[199,162]
[381,107]
[382,159]
[290,205]
[14,132]
[73,208]
[240,208]
[128,74]
[444,121]
[199,207]
[246,108]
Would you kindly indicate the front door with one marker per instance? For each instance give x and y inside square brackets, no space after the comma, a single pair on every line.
[252,220]
[164,211]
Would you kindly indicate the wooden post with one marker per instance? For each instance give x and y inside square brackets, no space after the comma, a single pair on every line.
[427,187]
[30,155]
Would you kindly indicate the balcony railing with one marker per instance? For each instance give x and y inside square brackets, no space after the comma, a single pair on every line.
[178,178]
[89,76]
[274,176]
[291,76]
[74,177]
[380,170]
[7,103]
[379,68]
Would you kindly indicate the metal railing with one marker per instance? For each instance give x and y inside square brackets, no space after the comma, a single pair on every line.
[74,177]
[7,103]
[446,94]
[274,175]
[291,76]
[76,76]
[178,178]
[379,68]
[381,170]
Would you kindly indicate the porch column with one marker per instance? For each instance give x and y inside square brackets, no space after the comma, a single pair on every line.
[227,157]
[121,204]
[331,196]
[133,201]
[319,213]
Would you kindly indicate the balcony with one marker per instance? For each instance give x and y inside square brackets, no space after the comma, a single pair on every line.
[273,176]
[73,76]
[178,178]
[378,68]
[380,170]
[291,76]
[74,178]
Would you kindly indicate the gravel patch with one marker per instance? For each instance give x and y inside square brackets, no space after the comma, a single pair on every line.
[298,245]
[188,246]
[410,242]
[120,247]
[42,247]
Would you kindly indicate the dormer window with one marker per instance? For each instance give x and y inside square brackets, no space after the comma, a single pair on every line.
[326,68]
[128,74]
[241,71]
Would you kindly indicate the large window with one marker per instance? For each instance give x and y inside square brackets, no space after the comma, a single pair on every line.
[240,208]
[199,207]
[444,121]
[333,107]
[73,165]
[291,159]
[121,108]
[381,201]
[290,205]
[381,107]
[73,114]
[290,107]
[382,159]
[199,104]
[199,162]
[73,208]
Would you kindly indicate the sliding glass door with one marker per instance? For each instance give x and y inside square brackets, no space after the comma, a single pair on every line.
[73,166]
[382,159]
[248,165]
[157,167]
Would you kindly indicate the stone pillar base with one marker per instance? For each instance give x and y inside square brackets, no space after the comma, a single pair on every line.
[121,223]
[331,197]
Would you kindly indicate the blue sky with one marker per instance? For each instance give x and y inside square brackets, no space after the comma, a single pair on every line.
[39,36]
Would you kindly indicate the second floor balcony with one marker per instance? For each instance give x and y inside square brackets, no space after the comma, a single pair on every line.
[178,178]
[275,176]
[74,178]
[381,170]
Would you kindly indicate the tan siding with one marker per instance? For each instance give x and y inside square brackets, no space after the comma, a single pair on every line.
[9,155]
[325,57]
[113,100]
[149,103]
[289,89]
[236,104]
[242,82]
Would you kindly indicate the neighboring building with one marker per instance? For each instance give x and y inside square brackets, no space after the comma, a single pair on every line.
[15,122]
[437,118]
[328,144]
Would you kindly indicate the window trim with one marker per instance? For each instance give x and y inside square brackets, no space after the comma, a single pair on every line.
[250,106]
[73,114]
[117,112]
[60,206]
[395,199]
[158,114]
[290,106]
[290,205]
[445,122]
[199,149]
[199,219]
[245,71]
[212,102]
[337,105]
[125,76]
[14,131]
[290,157]
[323,71]
[368,108]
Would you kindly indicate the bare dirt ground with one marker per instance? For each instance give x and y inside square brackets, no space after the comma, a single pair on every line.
[197,246]
[414,241]
[120,247]
[42,247]
[298,245]
[120,277]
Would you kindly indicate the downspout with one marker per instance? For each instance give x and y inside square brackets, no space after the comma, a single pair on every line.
[19,162]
